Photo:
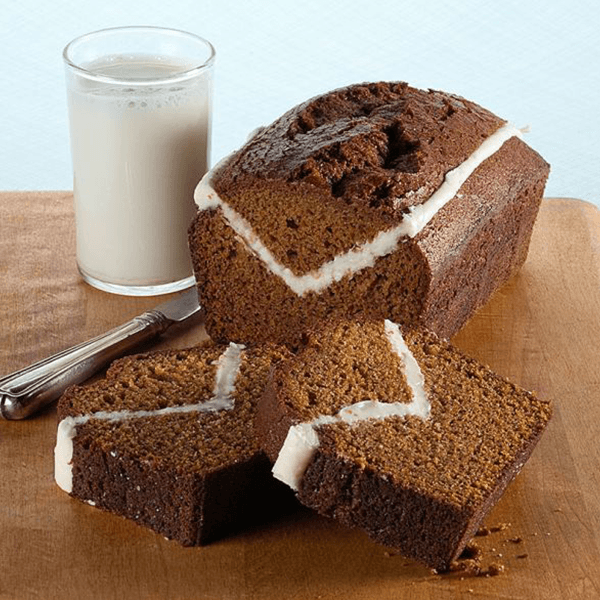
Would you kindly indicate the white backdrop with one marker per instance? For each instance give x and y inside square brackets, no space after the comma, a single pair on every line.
[535,63]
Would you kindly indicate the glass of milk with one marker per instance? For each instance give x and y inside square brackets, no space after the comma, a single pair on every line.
[140,117]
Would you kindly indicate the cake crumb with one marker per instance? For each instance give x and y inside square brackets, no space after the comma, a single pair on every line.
[469,567]
[473,559]
[495,569]
[469,562]
[471,551]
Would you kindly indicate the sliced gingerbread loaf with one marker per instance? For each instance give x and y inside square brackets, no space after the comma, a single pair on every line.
[167,440]
[376,199]
[396,432]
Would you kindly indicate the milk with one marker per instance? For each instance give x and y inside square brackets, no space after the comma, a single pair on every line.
[138,149]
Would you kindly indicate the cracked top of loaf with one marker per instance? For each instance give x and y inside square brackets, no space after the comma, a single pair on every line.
[377,146]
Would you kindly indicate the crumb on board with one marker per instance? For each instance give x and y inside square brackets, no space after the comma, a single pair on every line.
[471,561]
[515,540]
[495,569]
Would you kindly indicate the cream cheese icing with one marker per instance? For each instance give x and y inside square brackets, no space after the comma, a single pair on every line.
[364,255]
[228,365]
[302,440]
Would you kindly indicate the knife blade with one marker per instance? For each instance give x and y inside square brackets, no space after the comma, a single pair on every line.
[26,391]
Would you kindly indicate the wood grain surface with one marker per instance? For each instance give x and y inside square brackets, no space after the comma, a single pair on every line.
[542,330]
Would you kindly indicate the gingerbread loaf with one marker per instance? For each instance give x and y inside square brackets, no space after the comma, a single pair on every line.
[396,432]
[167,441]
[376,199]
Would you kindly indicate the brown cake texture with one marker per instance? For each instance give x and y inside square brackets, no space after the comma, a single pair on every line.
[160,442]
[332,174]
[420,482]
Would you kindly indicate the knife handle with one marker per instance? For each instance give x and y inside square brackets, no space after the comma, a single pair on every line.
[24,392]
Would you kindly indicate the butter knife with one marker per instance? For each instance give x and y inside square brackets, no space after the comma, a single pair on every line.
[24,392]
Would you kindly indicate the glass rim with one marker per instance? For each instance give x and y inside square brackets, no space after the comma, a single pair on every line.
[171,78]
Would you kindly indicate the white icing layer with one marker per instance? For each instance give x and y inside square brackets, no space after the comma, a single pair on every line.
[302,440]
[228,367]
[364,255]
[227,371]
[63,453]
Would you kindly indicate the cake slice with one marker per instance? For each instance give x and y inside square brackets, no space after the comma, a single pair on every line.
[396,432]
[378,199]
[167,440]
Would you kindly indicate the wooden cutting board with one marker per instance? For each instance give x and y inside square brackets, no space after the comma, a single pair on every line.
[542,330]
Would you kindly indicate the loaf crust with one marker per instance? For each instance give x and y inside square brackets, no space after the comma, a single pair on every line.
[333,173]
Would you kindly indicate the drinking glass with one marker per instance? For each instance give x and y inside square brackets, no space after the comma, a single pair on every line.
[139,103]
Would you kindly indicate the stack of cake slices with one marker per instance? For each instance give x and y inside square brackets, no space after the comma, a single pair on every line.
[392,431]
